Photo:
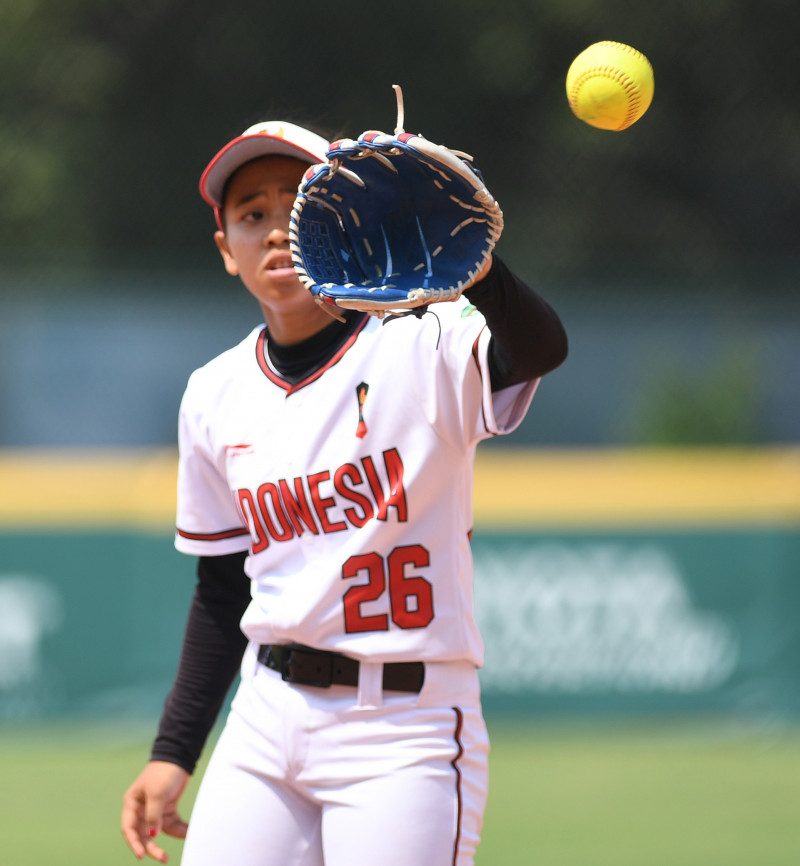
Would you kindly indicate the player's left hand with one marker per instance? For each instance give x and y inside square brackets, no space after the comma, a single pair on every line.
[392,222]
[150,806]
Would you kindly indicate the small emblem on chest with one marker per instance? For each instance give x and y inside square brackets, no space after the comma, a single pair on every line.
[361,394]
[238,450]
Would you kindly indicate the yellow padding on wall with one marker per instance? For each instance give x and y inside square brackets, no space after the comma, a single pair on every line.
[639,487]
[513,488]
[88,488]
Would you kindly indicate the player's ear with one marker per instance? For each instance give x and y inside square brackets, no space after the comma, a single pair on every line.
[222,245]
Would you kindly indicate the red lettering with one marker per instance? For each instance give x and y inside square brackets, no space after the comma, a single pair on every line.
[269,490]
[297,506]
[350,472]
[249,511]
[397,493]
[293,507]
[375,486]
[322,504]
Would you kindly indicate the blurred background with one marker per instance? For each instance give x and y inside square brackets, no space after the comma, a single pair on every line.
[639,560]
[670,249]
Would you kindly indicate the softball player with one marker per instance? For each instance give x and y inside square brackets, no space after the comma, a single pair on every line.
[325,483]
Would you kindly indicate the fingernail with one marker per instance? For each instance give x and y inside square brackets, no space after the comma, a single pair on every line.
[152,832]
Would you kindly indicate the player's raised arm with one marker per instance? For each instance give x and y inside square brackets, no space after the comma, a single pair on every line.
[528,339]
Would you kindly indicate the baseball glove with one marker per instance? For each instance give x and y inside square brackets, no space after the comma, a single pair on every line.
[391,222]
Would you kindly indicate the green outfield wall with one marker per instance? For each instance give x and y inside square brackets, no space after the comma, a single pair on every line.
[607,582]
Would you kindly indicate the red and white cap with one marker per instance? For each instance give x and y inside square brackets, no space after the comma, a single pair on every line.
[272,137]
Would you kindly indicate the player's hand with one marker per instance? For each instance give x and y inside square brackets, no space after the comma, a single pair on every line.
[150,806]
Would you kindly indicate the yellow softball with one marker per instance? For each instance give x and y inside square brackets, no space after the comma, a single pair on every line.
[610,85]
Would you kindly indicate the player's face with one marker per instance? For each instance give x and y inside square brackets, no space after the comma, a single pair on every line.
[255,244]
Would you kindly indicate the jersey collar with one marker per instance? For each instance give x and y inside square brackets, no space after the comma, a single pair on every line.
[321,357]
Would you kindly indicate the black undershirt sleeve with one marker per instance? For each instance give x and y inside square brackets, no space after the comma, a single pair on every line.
[528,339]
[212,651]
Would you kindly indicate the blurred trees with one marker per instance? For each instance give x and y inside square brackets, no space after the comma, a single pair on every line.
[110,109]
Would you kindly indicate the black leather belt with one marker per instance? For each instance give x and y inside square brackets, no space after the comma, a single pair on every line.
[305,666]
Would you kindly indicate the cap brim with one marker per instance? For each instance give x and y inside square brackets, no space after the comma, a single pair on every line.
[274,138]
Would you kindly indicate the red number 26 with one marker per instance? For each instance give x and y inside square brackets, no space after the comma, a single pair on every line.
[410,596]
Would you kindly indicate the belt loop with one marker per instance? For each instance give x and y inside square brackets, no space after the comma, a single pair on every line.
[370,685]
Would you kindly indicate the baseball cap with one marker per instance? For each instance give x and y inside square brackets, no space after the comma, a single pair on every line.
[271,137]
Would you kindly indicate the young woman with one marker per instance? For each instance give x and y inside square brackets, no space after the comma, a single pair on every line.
[325,483]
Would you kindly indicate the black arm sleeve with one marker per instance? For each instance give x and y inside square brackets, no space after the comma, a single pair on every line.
[212,651]
[528,339]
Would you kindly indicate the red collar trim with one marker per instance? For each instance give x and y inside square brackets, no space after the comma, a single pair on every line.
[275,378]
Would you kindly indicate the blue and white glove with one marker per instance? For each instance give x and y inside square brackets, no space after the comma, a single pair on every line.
[391,222]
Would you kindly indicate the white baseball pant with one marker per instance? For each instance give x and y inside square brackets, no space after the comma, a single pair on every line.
[345,776]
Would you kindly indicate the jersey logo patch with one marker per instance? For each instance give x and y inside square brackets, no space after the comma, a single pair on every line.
[238,450]
[361,396]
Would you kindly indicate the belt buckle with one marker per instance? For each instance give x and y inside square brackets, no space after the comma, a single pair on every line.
[306,668]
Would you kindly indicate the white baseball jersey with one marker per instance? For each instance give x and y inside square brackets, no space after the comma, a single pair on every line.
[352,489]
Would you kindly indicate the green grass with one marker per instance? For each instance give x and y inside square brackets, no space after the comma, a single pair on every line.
[61,791]
[579,795]
[647,795]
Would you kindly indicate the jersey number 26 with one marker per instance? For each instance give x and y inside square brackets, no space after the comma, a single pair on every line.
[410,597]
